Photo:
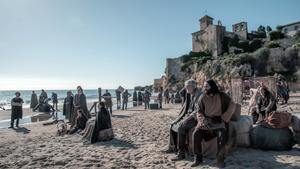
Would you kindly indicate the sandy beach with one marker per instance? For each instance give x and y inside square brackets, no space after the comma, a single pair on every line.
[140,135]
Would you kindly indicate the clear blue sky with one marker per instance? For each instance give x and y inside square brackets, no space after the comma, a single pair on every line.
[59,44]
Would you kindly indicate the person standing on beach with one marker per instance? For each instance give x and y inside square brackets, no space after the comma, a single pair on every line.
[108,101]
[54,100]
[134,98]
[34,100]
[16,110]
[80,103]
[125,96]
[68,108]
[118,95]
[167,96]
[140,98]
[160,98]
[146,97]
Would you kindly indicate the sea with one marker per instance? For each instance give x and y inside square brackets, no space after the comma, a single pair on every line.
[91,96]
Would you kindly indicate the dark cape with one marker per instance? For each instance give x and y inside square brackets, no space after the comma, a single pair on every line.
[16,111]
[68,109]
[107,99]
[134,96]
[34,101]
[103,121]
[80,103]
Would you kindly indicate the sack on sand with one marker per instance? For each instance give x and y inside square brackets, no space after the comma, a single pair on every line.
[295,124]
[106,134]
[278,119]
[271,139]
[242,129]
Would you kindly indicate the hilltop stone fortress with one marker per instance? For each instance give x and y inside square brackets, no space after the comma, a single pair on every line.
[210,37]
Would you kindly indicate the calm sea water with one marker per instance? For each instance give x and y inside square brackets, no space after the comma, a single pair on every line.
[91,95]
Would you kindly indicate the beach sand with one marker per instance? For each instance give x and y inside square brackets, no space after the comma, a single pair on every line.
[140,135]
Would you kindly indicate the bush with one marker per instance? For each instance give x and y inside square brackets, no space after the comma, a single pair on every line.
[274,35]
[254,45]
[261,57]
[273,45]
[195,57]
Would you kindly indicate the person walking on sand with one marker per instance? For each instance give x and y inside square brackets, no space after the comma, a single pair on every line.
[16,110]
[146,97]
[34,100]
[108,101]
[125,96]
[167,96]
[118,95]
[160,98]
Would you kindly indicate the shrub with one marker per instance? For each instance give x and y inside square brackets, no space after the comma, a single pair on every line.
[274,35]
[273,45]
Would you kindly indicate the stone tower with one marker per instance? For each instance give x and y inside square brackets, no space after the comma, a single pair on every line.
[205,21]
[241,30]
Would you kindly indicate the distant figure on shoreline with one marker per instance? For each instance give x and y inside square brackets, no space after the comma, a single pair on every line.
[125,96]
[134,98]
[160,98]
[34,100]
[54,100]
[118,95]
[108,101]
[68,108]
[140,98]
[16,110]
[80,103]
[167,96]
[146,98]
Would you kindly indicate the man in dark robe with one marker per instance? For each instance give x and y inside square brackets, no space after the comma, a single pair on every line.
[34,100]
[140,98]
[68,108]
[108,101]
[183,95]
[188,108]
[43,97]
[134,98]
[147,97]
[118,95]
[16,110]
[125,96]
[103,121]
[80,103]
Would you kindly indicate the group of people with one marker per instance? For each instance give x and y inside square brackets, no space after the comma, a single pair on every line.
[205,112]
[42,104]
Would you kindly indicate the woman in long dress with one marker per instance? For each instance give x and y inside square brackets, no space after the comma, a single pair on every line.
[80,103]
[68,109]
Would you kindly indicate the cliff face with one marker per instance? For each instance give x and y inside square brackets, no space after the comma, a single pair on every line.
[282,59]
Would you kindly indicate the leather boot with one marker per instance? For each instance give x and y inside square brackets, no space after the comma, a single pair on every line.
[180,156]
[197,161]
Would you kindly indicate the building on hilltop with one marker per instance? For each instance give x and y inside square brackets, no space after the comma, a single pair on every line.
[290,29]
[210,38]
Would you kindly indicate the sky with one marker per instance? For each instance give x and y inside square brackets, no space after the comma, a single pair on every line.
[59,44]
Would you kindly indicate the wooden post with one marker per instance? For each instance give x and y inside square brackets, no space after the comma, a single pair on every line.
[100,94]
